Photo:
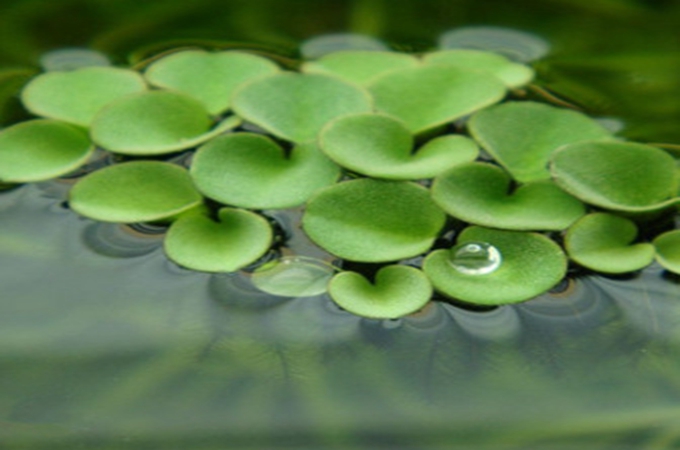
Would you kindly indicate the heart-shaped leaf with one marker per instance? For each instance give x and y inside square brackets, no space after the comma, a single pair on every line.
[373,221]
[72,58]
[138,191]
[602,242]
[209,77]
[620,176]
[667,247]
[319,46]
[238,239]
[154,123]
[397,291]
[360,67]
[252,171]
[380,146]
[512,74]
[531,265]
[514,44]
[41,149]
[432,95]
[522,136]
[479,193]
[77,96]
[296,106]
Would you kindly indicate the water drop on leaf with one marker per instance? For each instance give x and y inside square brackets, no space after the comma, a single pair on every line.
[475,258]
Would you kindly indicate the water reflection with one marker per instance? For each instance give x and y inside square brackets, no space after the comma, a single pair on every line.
[135,346]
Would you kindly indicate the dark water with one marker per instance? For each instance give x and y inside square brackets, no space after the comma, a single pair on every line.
[132,352]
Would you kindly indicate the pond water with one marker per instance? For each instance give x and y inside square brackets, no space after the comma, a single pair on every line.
[106,344]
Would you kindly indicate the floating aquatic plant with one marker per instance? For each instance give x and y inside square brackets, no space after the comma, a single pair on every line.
[376,151]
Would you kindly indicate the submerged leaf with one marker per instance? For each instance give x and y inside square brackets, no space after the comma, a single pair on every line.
[237,239]
[77,96]
[360,67]
[373,221]
[531,265]
[41,149]
[602,242]
[138,191]
[252,171]
[397,291]
[479,193]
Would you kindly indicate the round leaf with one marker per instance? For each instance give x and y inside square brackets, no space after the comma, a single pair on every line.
[77,96]
[210,78]
[296,106]
[380,146]
[153,123]
[531,265]
[252,171]
[138,191]
[513,75]
[319,46]
[373,221]
[514,44]
[620,176]
[41,149]
[602,242]
[668,250]
[428,96]
[479,193]
[397,291]
[360,67]
[522,136]
[237,240]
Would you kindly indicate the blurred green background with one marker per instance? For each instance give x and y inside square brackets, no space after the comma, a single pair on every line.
[613,57]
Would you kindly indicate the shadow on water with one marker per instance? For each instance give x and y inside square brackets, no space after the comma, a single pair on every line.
[102,346]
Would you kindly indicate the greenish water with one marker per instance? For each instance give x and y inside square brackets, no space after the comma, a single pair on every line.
[132,352]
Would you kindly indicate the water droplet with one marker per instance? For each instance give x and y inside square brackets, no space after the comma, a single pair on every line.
[294,276]
[475,258]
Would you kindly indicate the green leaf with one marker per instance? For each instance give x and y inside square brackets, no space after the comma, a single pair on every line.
[77,96]
[296,106]
[41,149]
[209,77]
[138,191]
[429,96]
[154,123]
[396,292]
[531,265]
[382,147]
[326,44]
[358,66]
[479,193]
[667,247]
[373,221]
[514,44]
[602,242]
[620,176]
[522,136]
[238,239]
[512,74]
[252,171]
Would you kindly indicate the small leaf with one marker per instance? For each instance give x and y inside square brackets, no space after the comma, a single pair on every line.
[138,191]
[319,46]
[667,247]
[522,136]
[154,123]
[514,44]
[602,242]
[621,176]
[360,66]
[380,146]
[252,171]
[479,193]
[512,74]
[237,240]
[209,77]
[41,149]
[397,291]
[77,96]
[373,221]
[296,106]
[428,96]
[531,265]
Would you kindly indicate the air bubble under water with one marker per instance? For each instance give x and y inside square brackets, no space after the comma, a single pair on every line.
[475,258]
